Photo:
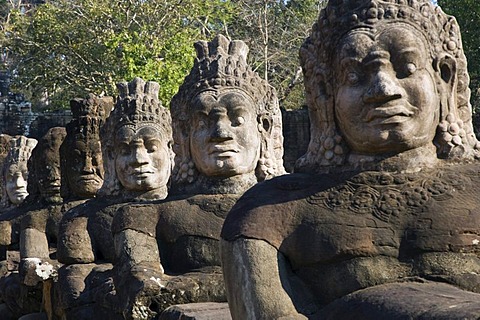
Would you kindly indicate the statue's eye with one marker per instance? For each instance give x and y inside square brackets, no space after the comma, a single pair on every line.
[238,121]
[152,148]
[201,123]
[352,78]
[124,150]
[411,68]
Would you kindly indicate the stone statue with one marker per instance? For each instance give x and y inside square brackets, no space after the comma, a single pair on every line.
[15,171]
[78,156]
[45,167]
[227,137]
[82,175]
[43,194]
[138,159]
[4,148]
[220,92]
[81,153]
[382,220]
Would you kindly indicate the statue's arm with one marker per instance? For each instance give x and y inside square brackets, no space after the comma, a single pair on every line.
[74,241]
[137,269]
[257,281]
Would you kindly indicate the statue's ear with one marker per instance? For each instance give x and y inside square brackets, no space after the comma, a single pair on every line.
[446,67]
[264,123]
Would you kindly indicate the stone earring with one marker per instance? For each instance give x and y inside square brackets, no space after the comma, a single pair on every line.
[451,134]
[331,147]
[187,171]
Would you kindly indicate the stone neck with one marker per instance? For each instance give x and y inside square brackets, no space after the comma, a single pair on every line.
[155,194]
[412,160]
[237,184]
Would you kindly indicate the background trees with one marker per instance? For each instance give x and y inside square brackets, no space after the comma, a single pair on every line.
[62,48]
[274,31]
[58,49]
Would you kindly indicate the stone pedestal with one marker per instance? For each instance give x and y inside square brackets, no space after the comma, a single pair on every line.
[197,311]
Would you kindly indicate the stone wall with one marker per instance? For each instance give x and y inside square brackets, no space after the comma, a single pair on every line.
[296,135]
[17,118]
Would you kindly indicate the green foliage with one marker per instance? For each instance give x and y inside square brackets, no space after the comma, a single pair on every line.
[65,49]
[467,13]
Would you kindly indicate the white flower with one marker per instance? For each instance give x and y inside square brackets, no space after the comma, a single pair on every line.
[158,281]
[44,270]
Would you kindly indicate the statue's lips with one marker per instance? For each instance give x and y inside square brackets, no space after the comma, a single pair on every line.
[223,150]
[20,192]
[89,179]
[52,186]
[389,114]
[142,173]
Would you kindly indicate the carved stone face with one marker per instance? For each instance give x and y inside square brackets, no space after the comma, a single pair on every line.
[142,161]
[47,166]
[387,99]
[224,138]
[85,168]
[16,182]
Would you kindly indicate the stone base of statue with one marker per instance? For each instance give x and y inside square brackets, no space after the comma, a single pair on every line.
[197,311]
[425,299]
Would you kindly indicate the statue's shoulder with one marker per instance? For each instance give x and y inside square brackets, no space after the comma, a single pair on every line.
[88,209]
[271,205]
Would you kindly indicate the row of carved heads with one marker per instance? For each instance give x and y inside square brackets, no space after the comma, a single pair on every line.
[139,126]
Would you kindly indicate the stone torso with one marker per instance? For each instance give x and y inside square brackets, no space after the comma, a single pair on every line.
[85,232]
[187,228]
[356,230]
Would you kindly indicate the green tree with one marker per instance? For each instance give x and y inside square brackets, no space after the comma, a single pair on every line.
[67,48]
[274,31]
[7,9]
[467,13]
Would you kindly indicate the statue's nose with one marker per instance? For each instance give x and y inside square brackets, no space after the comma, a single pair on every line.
[20,182]
[383,87]
[221,131]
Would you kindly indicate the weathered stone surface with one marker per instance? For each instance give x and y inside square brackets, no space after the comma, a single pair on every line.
[45,175]
[4,148]
[137,156]
[81,155]
[296,135]
[15,171]
[383,220]
[388,301]
[227,137]
[197,311]
[227,125]
[21,299]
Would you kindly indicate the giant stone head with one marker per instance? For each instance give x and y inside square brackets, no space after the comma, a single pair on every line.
[137,142]
[226,119]
[384,77]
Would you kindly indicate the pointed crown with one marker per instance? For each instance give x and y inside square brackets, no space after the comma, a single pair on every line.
[88,116]
[20,149]
[138,104]
[342,16]
[222,63]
